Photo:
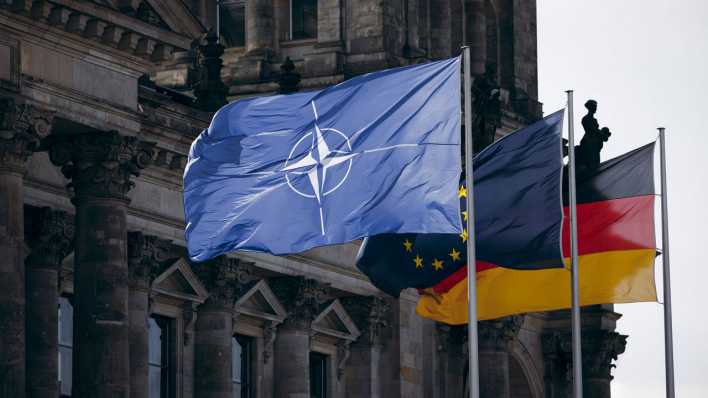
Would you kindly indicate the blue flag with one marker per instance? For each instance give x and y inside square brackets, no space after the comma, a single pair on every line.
[282,174]
[518,217]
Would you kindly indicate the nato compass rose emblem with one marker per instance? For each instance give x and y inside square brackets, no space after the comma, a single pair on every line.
[326,168]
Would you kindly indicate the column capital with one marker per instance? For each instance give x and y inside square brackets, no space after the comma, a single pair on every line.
[225,278]
[146,253]
[100,165]
[600,349]
[22,126]
[50,236]
[371,315]
[498,334]
[301,297]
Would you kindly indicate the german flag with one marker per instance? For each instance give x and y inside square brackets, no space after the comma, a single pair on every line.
[616,247]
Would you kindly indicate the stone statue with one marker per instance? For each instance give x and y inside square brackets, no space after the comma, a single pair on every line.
[588,152]
[486,116]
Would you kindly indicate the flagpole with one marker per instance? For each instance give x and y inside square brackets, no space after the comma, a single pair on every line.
[668,327]
[473,355]
[575,307]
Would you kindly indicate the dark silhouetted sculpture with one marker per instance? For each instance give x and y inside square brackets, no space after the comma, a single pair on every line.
[588,152]
[210,90]
[486,116]
[289,80]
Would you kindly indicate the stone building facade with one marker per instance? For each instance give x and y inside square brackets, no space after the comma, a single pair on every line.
[99,102]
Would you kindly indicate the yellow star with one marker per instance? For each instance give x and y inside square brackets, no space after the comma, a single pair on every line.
[418,261]
[437,264]
[462,193]
[454,254]
[464,215]
[408,245]
[463,235]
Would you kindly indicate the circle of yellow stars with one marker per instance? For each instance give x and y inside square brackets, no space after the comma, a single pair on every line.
[454,255]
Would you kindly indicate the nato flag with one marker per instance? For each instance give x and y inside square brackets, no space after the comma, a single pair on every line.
[282,174]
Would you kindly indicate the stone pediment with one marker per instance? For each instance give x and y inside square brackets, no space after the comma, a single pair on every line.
[179,281]
[335,321]
[260,302]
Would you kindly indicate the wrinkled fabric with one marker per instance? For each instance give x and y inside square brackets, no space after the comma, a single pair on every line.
[518,217]
[282,174]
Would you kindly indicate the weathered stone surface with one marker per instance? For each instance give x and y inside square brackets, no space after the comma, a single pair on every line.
[49,234]
[100,165]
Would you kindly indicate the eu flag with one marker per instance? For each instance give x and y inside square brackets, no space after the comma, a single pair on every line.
[518,217]
[282,174]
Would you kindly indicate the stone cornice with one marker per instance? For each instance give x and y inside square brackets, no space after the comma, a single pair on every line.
[104,25]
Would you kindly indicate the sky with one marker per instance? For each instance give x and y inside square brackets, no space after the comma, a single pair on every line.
[646,63]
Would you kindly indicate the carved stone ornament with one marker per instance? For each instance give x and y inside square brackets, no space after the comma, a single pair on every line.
[343,353]
[50,236]
[22,126]
[225,278]
[269,335]
[189,315]
[301,297]
[498,334]
[599,349]
[100,164]
[371,315]
[145,255]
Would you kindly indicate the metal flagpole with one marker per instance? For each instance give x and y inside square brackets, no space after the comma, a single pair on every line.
[473,356]
[575,308]
[668,328]
[218,21]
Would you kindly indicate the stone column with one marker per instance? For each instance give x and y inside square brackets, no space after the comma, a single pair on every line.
[260,28]
[476,32]
[21,127]
[495,339]
[371,315]
[600,348]
[224,278]
[100,167]
[49,234]
[145,254]
[302,298]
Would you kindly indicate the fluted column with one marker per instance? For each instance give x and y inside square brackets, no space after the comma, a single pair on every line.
[100,167]
[224,278]
[260,27]
[145,253]
[21,127]
[49,234]
[302,298]
[371,315]
[495,339]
